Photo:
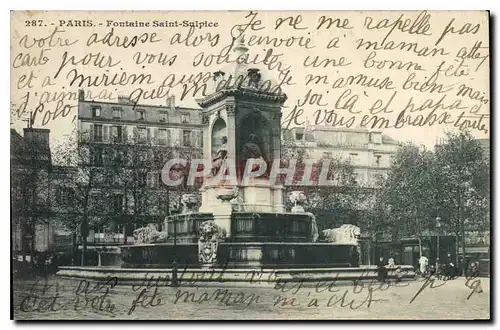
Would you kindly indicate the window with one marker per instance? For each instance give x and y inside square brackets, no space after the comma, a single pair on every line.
[65,195]
[160,178]
[353,158]
[124,157]
[116,133]
[162,204]
[118,157]
[140,114]
[162,136]
[186,138]
[98,133]
[142,179]
[117,112]
[185,118]
[153,179]
[197,143]
[142,134]
[377,160]
[163,117]
[98,228]
[96,156]
[299,136]
[96,111]
[118,204]
[140,204]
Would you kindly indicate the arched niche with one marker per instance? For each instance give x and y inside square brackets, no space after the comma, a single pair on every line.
[219,129]
[257,125]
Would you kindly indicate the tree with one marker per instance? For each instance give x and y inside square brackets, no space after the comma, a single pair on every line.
[86,158]
[118,182]
[451,183]
[462,180]
[333,204]
[30,186]
[408,192]
[135,173]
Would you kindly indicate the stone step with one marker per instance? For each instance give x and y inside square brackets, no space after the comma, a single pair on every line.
[214,277]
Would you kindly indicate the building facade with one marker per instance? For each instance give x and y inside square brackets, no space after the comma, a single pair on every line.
[38,204]
[369,152]
[128,145]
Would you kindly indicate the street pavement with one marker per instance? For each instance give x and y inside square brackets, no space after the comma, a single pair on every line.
[58,298]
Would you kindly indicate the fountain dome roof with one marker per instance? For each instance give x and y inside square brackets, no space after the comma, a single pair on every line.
[240,77]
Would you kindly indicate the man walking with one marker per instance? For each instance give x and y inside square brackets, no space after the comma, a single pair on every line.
[381,270]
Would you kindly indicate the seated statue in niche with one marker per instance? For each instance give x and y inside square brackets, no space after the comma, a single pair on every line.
[251,150]
[219,160]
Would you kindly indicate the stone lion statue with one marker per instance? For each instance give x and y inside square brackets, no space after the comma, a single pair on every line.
[346,234]
[208,242]
[149,234]
[209,231]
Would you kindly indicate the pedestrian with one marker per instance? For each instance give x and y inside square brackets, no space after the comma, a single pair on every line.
[474,266]
[463,266]
[467,266]
[399,274]
[450,267]
[391,263]
[423,262]
[381,270]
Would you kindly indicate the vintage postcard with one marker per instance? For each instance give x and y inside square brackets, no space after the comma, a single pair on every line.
[257,165]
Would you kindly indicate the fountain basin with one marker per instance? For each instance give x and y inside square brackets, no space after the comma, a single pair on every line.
[246,227]
[243,255]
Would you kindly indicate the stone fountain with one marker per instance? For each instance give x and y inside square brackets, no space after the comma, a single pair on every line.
[242,224]
[242,134]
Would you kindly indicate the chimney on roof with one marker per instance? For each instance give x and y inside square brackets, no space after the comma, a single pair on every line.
[81,95]
[171,102]
[123,99]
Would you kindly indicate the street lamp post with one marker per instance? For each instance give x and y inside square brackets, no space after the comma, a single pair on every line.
[175,281]
[438,225]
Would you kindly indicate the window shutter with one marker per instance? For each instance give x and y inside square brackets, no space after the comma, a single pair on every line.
[198,139]
[124,134]
[105,133]
[126,206]
[149,179]
[91,132]
[148,135]
[155,135]
[156,179]
[168,138]
[136,134]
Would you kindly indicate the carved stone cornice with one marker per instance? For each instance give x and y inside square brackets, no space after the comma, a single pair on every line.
[246,94]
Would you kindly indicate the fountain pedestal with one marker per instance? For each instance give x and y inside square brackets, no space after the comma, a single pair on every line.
[222,216]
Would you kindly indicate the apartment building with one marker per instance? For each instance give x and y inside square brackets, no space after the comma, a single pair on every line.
[369,152]
[130,143]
